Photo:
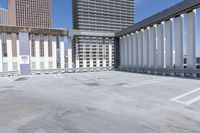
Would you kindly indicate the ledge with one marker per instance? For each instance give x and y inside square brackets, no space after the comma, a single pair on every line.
[37,31]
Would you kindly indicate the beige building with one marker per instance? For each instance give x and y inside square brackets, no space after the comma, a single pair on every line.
[3,21]
[29,13]
[3,16]
[32,13]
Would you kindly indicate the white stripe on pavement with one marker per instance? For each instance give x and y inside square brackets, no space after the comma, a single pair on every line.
[189,102]
[146,82]
[194,100]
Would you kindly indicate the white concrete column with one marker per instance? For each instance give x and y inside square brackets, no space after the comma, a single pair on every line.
[152,47]
[146,48]
[135,49]
[54,52]
[9,52]
[84,57]
[191,39]
[179,42]
[169,43]
[126,51]
[91,62]
[104,55]
[98,60]
[91,57]
[46,53]
[160,42]
[104,63]
[18,55]
[110,55]
[77,54]
[37,52]
[98,63]
[62,52]
[77,64]
[140,49]
[121,50]
[1,54]
[69,53]
[130,50]
[30,49]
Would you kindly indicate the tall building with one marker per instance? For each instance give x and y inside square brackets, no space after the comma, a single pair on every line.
[102,16]
[3,16]
[3,21]
[31,13]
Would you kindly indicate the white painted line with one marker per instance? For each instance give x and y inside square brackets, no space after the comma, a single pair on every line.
[178,101]
[189,102]
[186,94]
[58,76]
[55,76]
[194,100]
[133,77]
[145,82]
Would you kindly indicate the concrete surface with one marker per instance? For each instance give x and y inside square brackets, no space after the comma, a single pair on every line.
[99,102]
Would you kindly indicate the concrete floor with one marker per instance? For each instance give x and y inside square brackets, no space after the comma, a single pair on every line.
[99,102]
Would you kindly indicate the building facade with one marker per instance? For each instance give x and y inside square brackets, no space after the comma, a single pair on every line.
[103,16]
[28,53]
[30,13]
[3,16]
[3,21]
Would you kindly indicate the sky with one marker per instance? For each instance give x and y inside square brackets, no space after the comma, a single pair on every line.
[62,10]
[62,13]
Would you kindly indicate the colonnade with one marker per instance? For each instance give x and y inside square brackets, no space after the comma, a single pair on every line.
[38,57]
[154,48]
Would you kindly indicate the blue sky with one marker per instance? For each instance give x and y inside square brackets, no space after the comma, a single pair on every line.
[62,10]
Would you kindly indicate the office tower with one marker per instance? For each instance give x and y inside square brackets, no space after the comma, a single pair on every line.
[101,16]
[3,21]
[3,16]
[31,13]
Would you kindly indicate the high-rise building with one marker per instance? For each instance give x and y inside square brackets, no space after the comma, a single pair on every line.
[3,21]
[31,13]
[3,16]
[102,16]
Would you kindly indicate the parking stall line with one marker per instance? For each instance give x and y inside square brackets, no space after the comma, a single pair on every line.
[189,102]
[58,76]
[146,82]
[194,100]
